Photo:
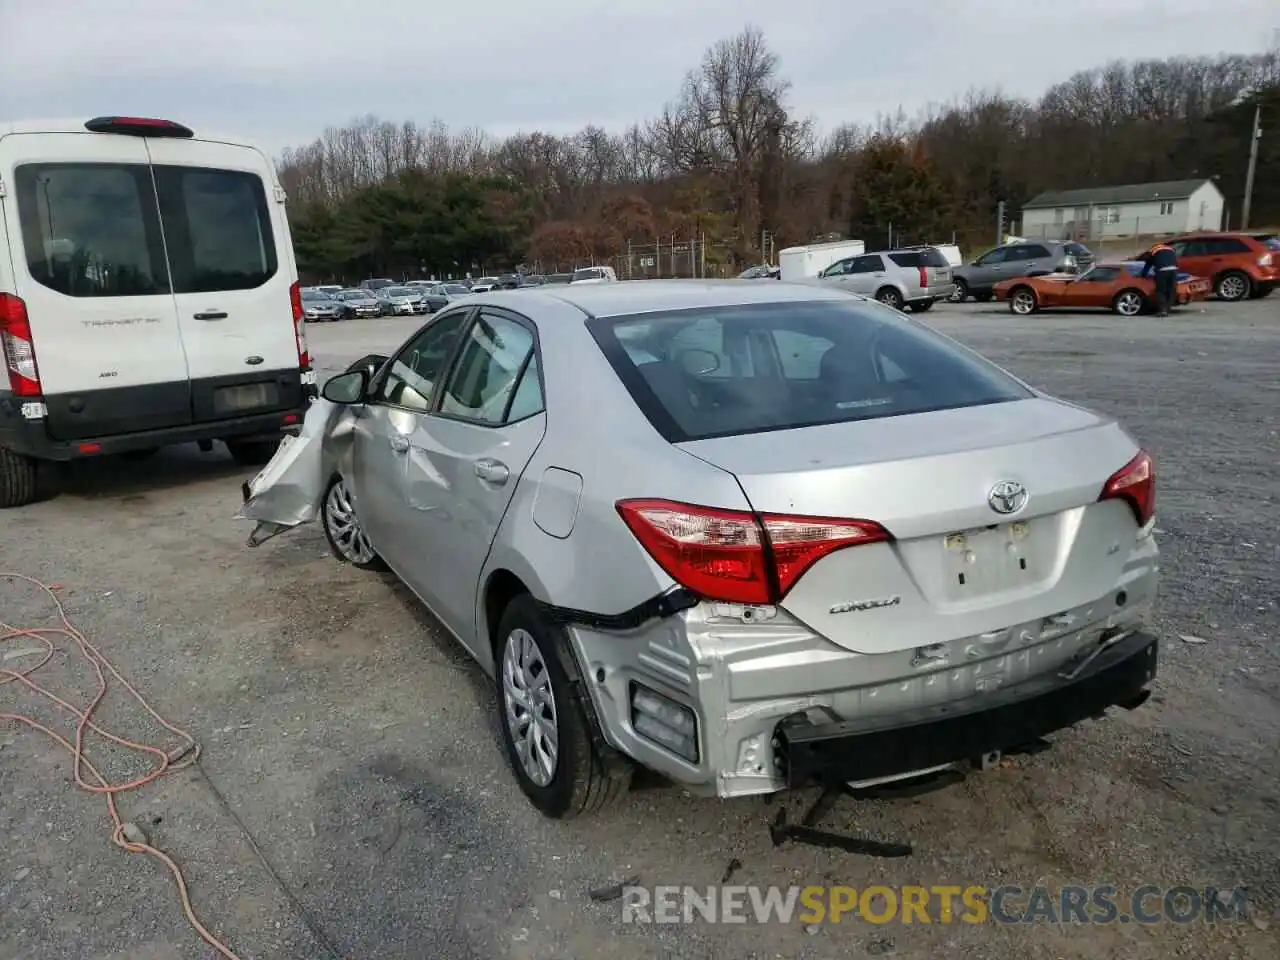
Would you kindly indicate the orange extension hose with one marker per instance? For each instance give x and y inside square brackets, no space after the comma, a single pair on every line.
[84,722]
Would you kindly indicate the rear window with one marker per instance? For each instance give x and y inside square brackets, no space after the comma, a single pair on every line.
[909,259]
[748,369]
[91,230]
[590,274]
[1077,250]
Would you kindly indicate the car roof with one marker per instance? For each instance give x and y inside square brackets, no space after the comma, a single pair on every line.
[76,125]
[651,296]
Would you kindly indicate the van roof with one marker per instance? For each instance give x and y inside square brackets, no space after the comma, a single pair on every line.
[66,125]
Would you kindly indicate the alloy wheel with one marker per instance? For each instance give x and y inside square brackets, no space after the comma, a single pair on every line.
[1129,304]
[530,704]
[1023,302]
[344,526]
[1232,287]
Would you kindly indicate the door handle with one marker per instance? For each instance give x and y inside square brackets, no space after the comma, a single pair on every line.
[492,471]
[212,315]
[399,443]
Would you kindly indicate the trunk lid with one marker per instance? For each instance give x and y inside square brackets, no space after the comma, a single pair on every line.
[956,567]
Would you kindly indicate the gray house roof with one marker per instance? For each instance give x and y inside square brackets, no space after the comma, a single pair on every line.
[1128,193]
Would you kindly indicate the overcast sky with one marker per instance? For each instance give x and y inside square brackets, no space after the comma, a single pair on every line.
[280,71]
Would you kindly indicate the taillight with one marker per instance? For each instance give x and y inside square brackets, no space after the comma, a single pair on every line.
[1135,483]
[18,348]
[924,279]
[299,326]
[735,556]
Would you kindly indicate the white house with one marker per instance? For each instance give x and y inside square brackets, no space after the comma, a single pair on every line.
[1132,210]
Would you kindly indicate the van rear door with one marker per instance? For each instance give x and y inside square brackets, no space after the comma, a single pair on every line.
[232,263]
[88,261]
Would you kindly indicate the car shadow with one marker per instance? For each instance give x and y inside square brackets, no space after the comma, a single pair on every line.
[122,476]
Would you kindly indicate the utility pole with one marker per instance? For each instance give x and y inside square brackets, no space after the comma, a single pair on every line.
[999,223]
[1253,165]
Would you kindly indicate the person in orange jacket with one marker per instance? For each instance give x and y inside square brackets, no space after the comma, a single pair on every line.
[1163,262]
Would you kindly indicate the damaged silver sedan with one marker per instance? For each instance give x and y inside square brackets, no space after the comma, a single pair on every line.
[750,537]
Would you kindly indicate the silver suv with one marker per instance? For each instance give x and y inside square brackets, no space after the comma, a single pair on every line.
[914,277]
[1025,259]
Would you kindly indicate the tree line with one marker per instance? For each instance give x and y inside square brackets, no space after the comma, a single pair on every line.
[730,160]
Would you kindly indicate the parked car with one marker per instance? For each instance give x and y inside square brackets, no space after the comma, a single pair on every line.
[1119,287]
[329,288]
[402,300]
[1031,258]
[441,295]
[375,285]
[593,275]
[761,271]
[794,536]
[485,284]
[915,278]
[1238,265]
[360,303]
[318,307]
[113,342]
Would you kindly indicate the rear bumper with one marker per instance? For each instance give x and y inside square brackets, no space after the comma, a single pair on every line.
[850,750]
[30,437]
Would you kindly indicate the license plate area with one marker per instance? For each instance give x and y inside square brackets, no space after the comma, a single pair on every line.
[991,559]
[246,396]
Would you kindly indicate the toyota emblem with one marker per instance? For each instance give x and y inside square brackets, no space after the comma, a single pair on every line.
[1007,496]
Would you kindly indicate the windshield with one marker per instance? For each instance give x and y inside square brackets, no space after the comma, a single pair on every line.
[315,295]
[593,273]
[747,369]
[378,284]
[455,289]
[400,291]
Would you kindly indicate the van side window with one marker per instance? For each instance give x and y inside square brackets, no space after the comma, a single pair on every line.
[90,229]
[217,227]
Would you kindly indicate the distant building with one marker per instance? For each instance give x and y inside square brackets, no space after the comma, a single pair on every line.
[1136,209]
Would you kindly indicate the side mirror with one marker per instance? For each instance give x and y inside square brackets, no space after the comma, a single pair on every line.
[346,388]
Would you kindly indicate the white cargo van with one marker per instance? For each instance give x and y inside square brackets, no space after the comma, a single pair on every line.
[148,297]
[805,263]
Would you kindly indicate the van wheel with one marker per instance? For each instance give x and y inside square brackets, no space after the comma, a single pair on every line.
[251,453]
[552,739]
[25,480]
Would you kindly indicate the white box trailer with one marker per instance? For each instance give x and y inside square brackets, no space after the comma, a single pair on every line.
[804,263]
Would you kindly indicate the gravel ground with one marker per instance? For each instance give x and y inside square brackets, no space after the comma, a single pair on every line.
[352,801]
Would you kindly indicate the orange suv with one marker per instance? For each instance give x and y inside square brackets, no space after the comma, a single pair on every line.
[1239,265]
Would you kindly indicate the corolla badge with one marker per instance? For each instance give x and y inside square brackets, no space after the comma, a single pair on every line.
[857,606]
[1007,496]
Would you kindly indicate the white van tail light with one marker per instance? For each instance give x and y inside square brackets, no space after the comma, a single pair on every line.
[1134,483]
[735,556]
[18,348]
[299,326]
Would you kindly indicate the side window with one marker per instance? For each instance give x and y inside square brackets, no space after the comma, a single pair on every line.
[217,227]
[868,264]
[1034,251]
[493,353]
[411,376]
[906,259]
[800,354]
[837,269]
[90,230]
[998,255]
[1102,274]
[527,399]
[1224,246]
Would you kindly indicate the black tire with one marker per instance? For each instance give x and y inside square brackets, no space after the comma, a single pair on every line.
[589,775]
[1234,280]
[922,306]
[961,293]
[890,297]
[25,480]
[1126,296]
[340,551]
[251,453]
[1023,301]
[983,297]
